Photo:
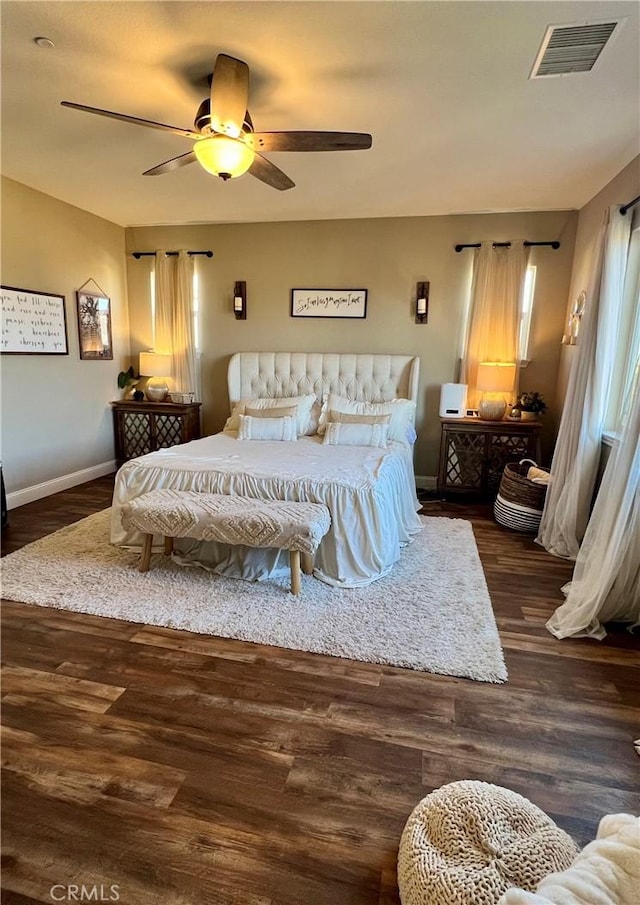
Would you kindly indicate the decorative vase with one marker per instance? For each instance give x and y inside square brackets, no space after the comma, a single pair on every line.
[529,416]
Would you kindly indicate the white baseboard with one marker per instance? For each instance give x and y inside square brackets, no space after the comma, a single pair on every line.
[426,482]
[55,485]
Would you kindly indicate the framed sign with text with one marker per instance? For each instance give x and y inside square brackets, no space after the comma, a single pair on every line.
[33,323]
[329,303]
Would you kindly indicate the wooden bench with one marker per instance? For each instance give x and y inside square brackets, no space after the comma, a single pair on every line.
[296,527]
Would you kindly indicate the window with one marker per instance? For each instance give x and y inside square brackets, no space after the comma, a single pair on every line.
[196,312]
[196,309]
[627,365]
[152,301]
[525,314]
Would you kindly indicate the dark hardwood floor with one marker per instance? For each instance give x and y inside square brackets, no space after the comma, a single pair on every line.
[186,769]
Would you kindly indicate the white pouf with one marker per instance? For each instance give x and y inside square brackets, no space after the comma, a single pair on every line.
[468,842]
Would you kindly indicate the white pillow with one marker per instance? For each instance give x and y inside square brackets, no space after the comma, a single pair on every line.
[251,428]
[348,418]
[340,433]
[402,413]
[289,411]
[606,872]
[304,403]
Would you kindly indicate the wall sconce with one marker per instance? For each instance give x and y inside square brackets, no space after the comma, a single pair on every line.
[240,300]
[570,338]
[422,303]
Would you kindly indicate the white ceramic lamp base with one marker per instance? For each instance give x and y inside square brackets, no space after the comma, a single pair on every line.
[156,390]
[492,409]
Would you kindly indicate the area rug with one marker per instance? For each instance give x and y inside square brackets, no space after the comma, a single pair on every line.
[432,612]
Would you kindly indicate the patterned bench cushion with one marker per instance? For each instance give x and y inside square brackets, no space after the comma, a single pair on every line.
[229,519]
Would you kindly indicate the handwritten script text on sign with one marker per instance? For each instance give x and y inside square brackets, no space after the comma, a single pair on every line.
[32,322]
[329,302]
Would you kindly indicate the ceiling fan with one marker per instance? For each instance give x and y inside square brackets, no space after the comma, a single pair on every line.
[224,141]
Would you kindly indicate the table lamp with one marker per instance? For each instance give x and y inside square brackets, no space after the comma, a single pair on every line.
[495,380]
[157,367]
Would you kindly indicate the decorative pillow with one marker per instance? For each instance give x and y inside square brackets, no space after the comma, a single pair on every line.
[347,418]
[402,413]
[338,433]
[304,404]
[252,428]
[314,418]
[606,871]
[289,412]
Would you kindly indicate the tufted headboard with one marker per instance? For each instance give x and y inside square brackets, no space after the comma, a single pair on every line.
[373,378]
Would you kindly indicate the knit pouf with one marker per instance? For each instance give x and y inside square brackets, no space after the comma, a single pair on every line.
[468,842]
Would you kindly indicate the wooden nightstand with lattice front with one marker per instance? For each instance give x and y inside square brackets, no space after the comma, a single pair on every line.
[473,453]
[142,427]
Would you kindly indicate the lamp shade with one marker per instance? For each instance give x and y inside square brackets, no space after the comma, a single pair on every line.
[224,156]
[496,376]
[155,364]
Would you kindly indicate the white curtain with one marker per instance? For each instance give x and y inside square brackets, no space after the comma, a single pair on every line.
[174,319]
[606,580]
[494,317]
[577,453]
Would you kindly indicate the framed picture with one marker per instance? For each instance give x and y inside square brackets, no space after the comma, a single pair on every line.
[329,303]
[33,323]
[94,326]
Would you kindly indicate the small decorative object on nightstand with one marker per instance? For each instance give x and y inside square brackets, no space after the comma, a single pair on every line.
[531,406]
[128,381]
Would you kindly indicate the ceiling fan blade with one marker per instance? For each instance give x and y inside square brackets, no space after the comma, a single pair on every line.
[229,95]
[174,164]
[269,173]
[149,123]
[309,141]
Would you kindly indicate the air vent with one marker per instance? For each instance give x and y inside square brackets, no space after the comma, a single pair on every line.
[567,49]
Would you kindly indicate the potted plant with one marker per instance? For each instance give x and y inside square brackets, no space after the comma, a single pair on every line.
[127,381]
[531,405]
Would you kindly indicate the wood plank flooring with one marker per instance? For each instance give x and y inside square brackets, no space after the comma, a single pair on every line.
[186,769]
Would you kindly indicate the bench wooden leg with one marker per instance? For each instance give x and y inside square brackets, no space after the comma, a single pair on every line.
[168,546]
[306,560]
[145,559]
[294,562]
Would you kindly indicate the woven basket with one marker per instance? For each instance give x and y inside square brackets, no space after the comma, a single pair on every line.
[520,502]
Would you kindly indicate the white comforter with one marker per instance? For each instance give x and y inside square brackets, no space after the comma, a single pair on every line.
[370,494]
[606,872]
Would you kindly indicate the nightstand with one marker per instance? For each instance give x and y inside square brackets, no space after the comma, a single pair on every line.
[473,452]
[142,427]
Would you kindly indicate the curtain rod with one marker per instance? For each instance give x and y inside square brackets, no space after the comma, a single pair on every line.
[170,254]
[629,205]
[526,243]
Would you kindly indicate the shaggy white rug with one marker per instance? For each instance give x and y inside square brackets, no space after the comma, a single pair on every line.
[432,612]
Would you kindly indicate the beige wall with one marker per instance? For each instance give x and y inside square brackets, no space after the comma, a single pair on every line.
[385,256]
[624,187]
[55,414]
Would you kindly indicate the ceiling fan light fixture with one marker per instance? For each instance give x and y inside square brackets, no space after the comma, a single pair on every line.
[223,156]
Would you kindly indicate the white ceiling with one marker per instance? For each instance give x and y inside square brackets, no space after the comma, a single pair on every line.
[442,86]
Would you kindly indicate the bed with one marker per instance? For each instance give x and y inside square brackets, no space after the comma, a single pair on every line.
[370,492]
